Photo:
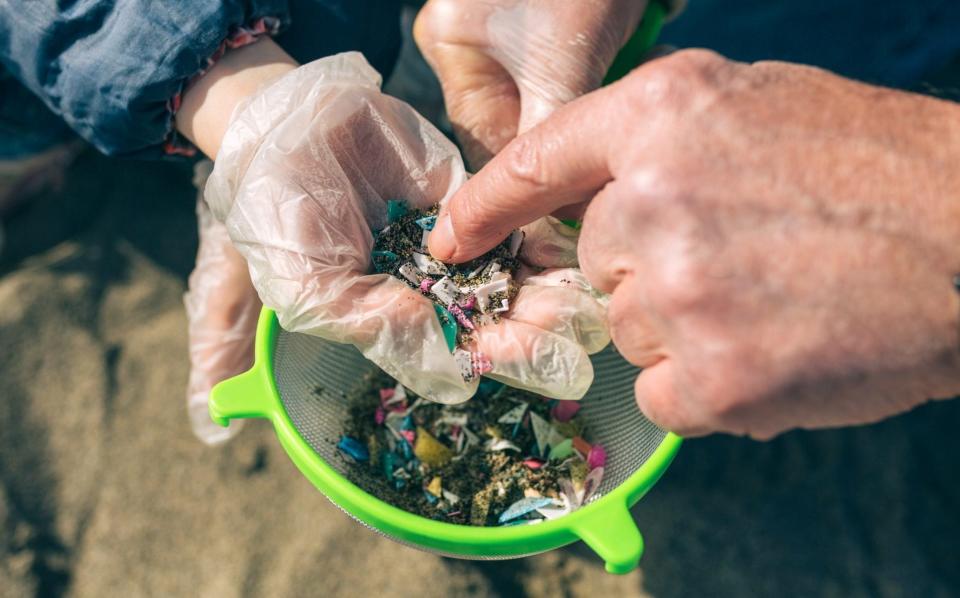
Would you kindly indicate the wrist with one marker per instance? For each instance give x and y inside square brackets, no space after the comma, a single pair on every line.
[209,102]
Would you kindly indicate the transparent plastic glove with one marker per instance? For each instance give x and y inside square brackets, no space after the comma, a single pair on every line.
[505,65]
[222,310]
[301,181]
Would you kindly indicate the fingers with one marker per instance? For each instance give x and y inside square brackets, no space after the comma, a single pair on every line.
[573,314]
[528,357]
[562,161]
[549,243]
[222,310]
[481,97]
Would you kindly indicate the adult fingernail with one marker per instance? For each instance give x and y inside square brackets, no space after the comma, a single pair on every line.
[442,242]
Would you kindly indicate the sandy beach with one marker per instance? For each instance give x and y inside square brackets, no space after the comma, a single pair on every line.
[105,492]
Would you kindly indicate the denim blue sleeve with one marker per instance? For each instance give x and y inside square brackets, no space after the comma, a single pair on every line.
[889,42]
[110,68]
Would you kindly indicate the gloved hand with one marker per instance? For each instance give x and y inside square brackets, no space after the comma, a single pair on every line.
[222,310]
[301,181]
[505,65]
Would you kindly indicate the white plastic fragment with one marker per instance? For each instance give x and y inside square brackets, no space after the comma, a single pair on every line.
[515,240]
[410,272]
[464,361]
[428,264]
[541,431]
[423,238]
[498,284]
[502,445]
[514,415]
[450,497]
[570,494]
[445,290]
[590,484]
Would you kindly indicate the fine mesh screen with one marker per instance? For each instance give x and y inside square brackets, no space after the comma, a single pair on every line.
[315,377]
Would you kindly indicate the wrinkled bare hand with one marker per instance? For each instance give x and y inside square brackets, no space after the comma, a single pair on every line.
[779,242]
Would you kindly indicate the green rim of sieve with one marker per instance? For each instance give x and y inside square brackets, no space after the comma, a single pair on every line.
[605,524]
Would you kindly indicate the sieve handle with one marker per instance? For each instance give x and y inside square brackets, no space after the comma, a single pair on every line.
[612,533]
[243,396]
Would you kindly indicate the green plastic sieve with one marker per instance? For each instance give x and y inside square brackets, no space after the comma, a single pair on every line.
[289,369]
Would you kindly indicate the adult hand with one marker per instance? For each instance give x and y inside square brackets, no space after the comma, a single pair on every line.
[504,65]
[779,242]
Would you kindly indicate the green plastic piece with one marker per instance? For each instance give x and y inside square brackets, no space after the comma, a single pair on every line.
[639,44]
[396,208]
[449,325]
[605,524]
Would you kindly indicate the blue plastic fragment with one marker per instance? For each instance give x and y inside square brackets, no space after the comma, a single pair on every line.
[388,459]
[407,449]
[427,222]
[430,498]
[396,208]
[408,424]
[524,506]
[354,448]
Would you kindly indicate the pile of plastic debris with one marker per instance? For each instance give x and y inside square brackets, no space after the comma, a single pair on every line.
[465,295]
[509,457]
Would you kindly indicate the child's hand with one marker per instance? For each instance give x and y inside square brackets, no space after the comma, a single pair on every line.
[301,180]
[505,65]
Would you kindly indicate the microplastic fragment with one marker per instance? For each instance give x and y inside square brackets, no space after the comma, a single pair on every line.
[516,238]
[562,450]
[428,264]
[460,316]
[446,291]
[353,448]
[597,457]
[514,415]
[411,273]
[564,411]
[434,487]
[502,444]
[426,284]
[524,506]
[430,450]
[591,484]
[581,446]
[427,222]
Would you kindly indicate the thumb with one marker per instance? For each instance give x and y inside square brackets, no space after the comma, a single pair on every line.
[222,310]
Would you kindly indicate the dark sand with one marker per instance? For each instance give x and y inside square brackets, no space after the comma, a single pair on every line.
[105,492]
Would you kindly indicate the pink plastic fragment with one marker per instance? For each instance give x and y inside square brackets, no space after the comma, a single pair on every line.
[533,463]
[481,365]
[386,394]
[409,435]
[461,317]
[379,416]
[469,303]
[564,411]
[425,285]
[597,457]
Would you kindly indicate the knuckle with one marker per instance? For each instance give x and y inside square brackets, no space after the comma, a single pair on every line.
[681,284]
[432,21]
[674,80]
[524,163]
